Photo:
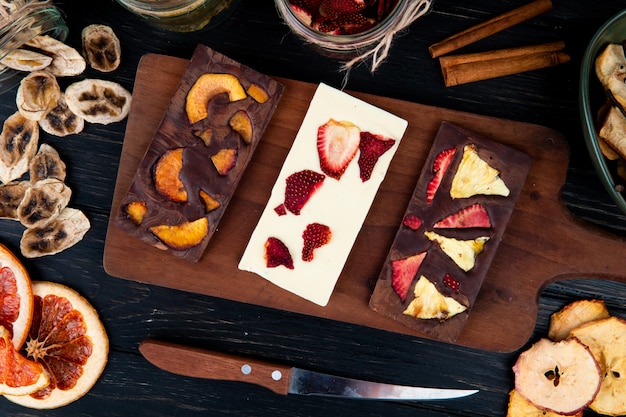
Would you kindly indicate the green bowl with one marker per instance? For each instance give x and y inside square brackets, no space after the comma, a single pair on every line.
[592,97]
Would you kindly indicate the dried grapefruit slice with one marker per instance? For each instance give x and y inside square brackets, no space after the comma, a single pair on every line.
[16,297]
[69,340]
[18,375]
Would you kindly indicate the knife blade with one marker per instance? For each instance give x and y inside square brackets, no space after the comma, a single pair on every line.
[281,379]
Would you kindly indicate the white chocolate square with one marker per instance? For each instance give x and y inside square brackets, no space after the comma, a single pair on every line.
[340,204]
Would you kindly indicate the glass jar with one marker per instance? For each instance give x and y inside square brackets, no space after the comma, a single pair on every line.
[181,15]
[350,47]
[21,21]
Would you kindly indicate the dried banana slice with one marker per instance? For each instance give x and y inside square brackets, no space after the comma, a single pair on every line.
[18,145]
[43,202]
[47,164]
[66,61]
[61,233]
[37,94]
[26,60]
[101,47]
[98,101]
[61,121]
[11,196]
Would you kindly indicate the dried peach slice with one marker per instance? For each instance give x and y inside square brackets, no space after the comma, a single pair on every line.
[183,235]
[210,202]
[205,135]
[225,160]
[167,176]
[136,211]
[240,122]
[69,340]
[208,86]
[258,93]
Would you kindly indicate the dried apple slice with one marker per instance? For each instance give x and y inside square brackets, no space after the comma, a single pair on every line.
[521,407]
[167,176]
[563,377]
[475,176]
[573,315]
[431,304]
[183,235]
[606,338]
[462,252]
[206,87]
[241,123]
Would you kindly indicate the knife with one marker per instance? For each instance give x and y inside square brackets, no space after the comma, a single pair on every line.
[201,363]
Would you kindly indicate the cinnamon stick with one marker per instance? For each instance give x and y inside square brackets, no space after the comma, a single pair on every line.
[451,60]
[482,70]
[491,26]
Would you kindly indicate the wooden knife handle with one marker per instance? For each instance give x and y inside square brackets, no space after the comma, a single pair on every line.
[201,363]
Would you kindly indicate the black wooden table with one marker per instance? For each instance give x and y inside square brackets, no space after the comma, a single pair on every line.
[255,36]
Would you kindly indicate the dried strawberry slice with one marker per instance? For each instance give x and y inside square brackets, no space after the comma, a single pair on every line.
[412,221]
[475,215]
[300,186]
[332,9]
[440,166]
[337,143]
[371,148]
[352,23]
[277,253]
[315,236]
[451,282]
[403,273]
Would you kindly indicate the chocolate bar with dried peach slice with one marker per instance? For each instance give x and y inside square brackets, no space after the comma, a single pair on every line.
[198,155]
[450,232]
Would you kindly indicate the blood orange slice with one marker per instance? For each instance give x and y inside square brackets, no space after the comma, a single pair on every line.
[16,297]
[69,340]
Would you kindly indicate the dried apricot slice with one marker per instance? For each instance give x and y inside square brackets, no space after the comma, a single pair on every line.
[225,160]
[258,93]
[69,340]
[136,210]
[167,176]
[210,202]
[183,235]
[208,86]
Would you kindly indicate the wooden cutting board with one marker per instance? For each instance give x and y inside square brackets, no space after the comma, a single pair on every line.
[543,242]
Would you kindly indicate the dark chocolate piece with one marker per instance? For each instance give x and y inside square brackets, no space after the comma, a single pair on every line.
[513,166]
[198,172]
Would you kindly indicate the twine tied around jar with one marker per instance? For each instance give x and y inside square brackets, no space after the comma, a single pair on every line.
[414,10]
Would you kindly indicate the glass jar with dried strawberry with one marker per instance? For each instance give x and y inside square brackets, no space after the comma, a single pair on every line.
[351,30]
[20,22]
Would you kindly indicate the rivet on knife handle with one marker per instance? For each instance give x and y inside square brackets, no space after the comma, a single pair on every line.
[202,363]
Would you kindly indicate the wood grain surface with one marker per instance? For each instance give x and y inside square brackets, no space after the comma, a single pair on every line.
[543,243]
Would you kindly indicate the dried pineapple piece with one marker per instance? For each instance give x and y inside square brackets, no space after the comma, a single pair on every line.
[431,304]
[475,176]
[462,252]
